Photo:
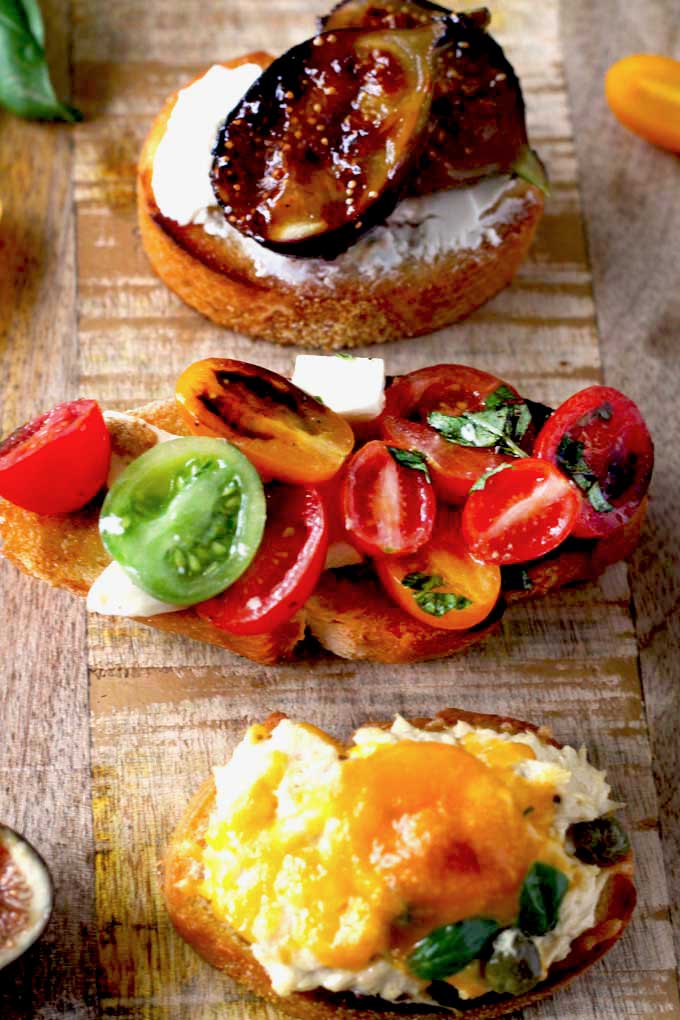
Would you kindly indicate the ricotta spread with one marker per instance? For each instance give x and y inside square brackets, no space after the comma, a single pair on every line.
[419,228]
[312,761]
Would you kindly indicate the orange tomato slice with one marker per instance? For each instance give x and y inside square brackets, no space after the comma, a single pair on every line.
[285,433]
[643,92]
[442,584]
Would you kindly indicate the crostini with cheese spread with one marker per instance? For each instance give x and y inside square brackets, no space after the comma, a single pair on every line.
[373,182]
[389,524]
[466,862]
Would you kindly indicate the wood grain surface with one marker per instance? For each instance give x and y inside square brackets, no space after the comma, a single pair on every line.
[106,727]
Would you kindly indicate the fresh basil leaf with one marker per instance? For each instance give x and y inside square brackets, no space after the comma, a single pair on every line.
[446,950]
[436,603]
[410,459]
[25,86]
[529,167]
[542,893]
[571,459]
[483,479]
[500,397]
[345,357]
[499,427]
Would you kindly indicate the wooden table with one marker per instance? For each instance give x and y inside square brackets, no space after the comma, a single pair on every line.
[107,727]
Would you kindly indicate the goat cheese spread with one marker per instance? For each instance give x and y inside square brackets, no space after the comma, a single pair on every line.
[420,228]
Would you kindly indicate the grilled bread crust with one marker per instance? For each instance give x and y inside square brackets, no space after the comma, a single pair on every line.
[349,614]
[217,943]
[217,278]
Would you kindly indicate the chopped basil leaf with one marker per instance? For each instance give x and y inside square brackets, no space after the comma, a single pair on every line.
[483,479]
[571,460]
[25,86]
[540,899]
[500,427]
[516,578]
[345,357]
[410,459]
[446,950]
[436,603]
[500,397]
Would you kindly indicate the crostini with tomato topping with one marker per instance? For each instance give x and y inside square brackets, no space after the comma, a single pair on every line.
[374,181]
[248,512]
[488,867]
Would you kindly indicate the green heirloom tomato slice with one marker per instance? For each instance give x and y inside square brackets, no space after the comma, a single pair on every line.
[185,519]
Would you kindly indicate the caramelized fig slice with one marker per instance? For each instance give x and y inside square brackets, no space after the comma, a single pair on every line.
[25,895]
[321,145]
[392,14]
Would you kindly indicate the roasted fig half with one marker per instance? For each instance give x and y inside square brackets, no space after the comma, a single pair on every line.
[476,126]
[26,895]
[320,147]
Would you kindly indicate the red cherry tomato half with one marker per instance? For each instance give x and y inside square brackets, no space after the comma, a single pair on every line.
[599,439]
[285,570]
[521,512]
[450,389]
[389,507]
[59,462]
[442,584]
[454,469]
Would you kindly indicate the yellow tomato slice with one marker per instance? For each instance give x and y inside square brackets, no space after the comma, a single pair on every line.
[442,584]
[643,91]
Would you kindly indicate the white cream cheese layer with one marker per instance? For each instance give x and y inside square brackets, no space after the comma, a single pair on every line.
[313,761]
[419,228]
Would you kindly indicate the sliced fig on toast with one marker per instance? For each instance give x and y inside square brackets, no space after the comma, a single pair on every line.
[392,14]
[25,895]
[320,147]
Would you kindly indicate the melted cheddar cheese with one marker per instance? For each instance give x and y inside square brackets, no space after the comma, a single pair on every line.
[331,860]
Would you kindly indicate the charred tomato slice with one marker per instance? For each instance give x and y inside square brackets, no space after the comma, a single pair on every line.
[284,432]
[320,147]
[599,439]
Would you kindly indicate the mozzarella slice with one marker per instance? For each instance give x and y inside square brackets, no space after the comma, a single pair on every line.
[114,594]
[352,387]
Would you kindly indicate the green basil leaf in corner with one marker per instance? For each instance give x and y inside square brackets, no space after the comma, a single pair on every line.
[529,167]
[541,897]
[25,86]
[448,949]
[411,459]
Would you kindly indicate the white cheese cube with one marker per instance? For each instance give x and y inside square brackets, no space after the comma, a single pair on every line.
[114,594]
[352,387]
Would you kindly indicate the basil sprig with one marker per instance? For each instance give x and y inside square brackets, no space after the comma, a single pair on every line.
[542,893]
[448,949]
[436,603]
[411,459]
[501,424]
[25,86]
[571,460]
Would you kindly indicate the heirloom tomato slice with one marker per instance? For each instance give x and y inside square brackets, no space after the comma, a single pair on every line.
[185,519]
[388,500]
[599,439]
[454,469]
[442,584]
[519,512]
[59,462]
[285,569]
[319,148]
[284,432]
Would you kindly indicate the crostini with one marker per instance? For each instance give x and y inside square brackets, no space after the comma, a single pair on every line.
[391,525]
[463,862]
[373,182]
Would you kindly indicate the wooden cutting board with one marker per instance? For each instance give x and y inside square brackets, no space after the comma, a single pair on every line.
[107,727]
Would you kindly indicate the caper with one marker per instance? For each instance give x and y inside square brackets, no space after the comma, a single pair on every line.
[514,965]
[603,841]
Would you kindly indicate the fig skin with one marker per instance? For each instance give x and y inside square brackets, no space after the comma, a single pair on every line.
[35,880]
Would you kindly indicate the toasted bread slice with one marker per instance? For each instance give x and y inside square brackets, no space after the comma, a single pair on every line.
[216,275]
[348,614]
[217,943]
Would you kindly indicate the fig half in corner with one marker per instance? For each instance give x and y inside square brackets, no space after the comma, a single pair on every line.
[319,149]
[25,895]
[391,14]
